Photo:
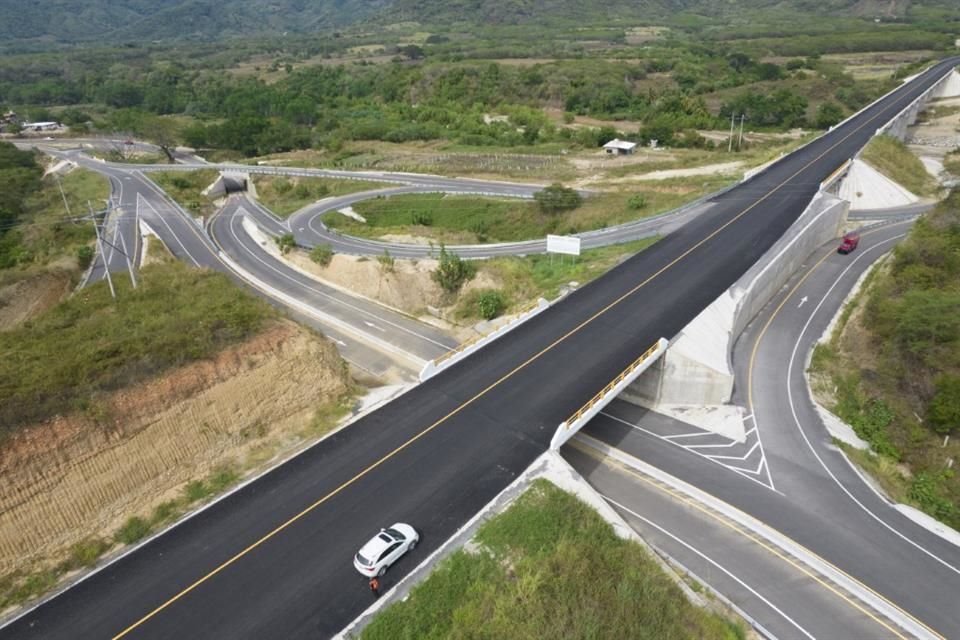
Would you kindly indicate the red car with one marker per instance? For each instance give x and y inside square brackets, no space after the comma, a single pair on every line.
[849,242]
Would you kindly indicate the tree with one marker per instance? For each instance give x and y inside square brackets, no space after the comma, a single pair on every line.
[557,198]
[828,114]
[452,272]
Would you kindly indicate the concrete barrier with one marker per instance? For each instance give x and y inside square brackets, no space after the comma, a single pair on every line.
[463,350]
[569,427]
[696,370]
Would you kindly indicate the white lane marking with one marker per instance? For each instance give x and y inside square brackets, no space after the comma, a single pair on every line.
[803,301]
[739,472]
[803,433]
[236,217]
[702,555]
[373,326]
[162,219]
[742,458]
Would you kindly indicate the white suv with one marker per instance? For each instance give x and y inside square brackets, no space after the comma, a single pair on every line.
[385,548]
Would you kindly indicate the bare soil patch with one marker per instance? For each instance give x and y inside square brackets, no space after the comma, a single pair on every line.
[75,477]
[27,297]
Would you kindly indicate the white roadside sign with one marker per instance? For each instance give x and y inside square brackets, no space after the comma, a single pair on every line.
[569,245]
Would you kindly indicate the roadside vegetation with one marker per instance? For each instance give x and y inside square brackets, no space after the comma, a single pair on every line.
[892,158]
[894,371]
[951,163]
[35,227]
[549,567]
[186,187]
[283,196]
[526,279]
[90,344]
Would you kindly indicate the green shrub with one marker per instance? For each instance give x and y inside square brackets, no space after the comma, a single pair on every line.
[452,271]
[195,490]
[221,478]
[322,254]
[86,552]
[386,261]
[636,201]
[286,242]
[557,198]
[85,256]
[944,410]
[490,303]
[133,530]
[422,219]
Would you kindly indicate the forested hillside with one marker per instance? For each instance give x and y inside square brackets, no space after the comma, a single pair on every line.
[141,20]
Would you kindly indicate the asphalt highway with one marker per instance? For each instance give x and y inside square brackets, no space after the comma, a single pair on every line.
[367,321]
[274,558]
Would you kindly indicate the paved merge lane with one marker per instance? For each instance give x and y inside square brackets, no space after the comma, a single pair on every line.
[767,585]
[393,332]
[905,563]
[274,558]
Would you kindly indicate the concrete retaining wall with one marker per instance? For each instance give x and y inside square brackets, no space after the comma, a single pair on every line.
[696,370]
[948,86]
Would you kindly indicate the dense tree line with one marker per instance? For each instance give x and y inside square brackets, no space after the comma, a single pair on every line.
[408,100]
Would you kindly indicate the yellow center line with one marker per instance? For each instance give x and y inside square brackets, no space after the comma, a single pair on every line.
[752,411]
[498,382]
[749,535]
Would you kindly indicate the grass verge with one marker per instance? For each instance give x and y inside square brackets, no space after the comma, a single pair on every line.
[456,219]
[283,195]
[549,567]
[531,277]
[185,188]
[892,158]
[47,235]
[91,344]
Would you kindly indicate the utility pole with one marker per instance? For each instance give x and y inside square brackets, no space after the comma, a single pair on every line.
[740,142]
[62,194]
[103,255]
[732,121]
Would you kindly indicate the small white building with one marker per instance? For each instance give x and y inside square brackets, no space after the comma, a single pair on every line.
[617,147]
[40,126]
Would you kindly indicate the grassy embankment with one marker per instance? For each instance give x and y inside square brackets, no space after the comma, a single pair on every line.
[185,188]
[549,567]
[283,196]
[43,237]
[525,279]
[892,158]
[455,219]
[951,163]
[892,369]
[90,346]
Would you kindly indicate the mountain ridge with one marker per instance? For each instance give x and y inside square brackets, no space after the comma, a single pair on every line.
[79,21]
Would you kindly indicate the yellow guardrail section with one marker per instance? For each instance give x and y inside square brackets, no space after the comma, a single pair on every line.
[835,174]
[465,345]
[623,374]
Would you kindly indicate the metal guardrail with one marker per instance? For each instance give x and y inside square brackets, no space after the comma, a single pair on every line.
[613,383]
